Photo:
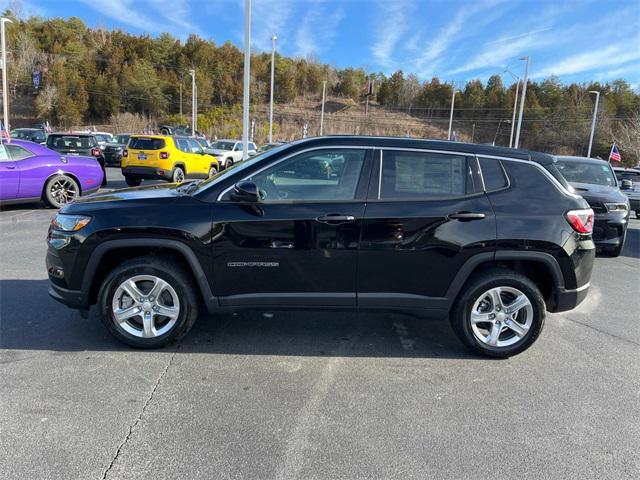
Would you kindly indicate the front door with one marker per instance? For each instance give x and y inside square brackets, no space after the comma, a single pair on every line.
[426,215]
[299,244]
[9,176]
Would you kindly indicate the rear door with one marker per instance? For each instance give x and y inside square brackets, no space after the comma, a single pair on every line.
[426,215]
[298,246]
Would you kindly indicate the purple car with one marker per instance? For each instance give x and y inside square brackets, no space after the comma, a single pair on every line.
[33,172]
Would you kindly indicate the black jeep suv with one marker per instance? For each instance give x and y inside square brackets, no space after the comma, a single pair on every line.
[490,237]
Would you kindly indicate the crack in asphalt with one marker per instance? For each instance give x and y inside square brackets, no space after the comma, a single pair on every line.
[139,418]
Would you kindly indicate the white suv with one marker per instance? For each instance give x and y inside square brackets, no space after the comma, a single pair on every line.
[227,152]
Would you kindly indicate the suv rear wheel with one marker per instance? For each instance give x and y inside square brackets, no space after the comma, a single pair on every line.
[178,175]
[132,181]
[148,302]
[500,313]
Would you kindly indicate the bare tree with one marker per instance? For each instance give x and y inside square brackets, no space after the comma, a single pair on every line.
[626,134]
[46,100]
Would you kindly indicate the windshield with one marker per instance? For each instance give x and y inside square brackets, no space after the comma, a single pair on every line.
[223,145]
[586,172]
[237,167]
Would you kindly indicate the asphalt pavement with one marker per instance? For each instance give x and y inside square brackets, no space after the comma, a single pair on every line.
[270,395]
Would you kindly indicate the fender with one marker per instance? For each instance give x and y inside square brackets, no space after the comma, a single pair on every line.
[470,265]
[210,300]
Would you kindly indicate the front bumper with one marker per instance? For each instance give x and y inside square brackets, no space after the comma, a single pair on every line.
[58,278]
[609,230]
[149,173]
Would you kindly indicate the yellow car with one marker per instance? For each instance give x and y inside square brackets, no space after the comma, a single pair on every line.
[164,157]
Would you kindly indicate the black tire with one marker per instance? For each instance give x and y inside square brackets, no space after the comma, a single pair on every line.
[104,172]
[228,162]
[474,289]
[132,181]
[178,175]
[213,171]
[170,272]
[53,193]
[637,213]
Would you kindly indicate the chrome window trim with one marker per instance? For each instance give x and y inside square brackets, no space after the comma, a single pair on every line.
[333,147]
[544,171]
[380,176]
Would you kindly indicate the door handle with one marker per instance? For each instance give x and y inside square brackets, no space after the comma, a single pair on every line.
[467,216]
[10,167]
[335,218]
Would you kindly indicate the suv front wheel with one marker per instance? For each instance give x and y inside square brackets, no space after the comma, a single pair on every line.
[500,313]
[148,302]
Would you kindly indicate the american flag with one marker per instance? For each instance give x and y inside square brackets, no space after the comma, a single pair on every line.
[6,138]
[615,154]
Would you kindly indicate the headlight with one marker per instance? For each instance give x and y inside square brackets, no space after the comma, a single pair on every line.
[616,207]
[69,223]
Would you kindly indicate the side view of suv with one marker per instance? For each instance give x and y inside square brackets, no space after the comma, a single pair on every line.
[488,237]
[164,157]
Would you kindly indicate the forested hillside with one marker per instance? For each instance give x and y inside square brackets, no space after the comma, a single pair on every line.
[93,76]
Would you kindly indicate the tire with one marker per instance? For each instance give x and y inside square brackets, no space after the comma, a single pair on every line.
[60,190]
[132,181]
[178,175]
[212,171]
[529,319]
[104,172]
[176,297]
[228,163]
[637,213]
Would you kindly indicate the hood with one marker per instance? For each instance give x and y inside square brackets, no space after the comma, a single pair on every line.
[599,193]
[114,198]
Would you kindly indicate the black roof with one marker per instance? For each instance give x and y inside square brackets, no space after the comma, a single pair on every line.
[420,143]
[569,158]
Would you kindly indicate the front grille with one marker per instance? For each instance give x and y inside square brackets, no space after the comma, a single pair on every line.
[598,208]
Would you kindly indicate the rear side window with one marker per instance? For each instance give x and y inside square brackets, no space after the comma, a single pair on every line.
[145,143]
[16,152]
[492,174]
[424,175]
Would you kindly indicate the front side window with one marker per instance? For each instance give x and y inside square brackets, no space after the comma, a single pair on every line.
[194,146]
[586,172]
[424,175]
[317,175]
[220,145]
[16,152]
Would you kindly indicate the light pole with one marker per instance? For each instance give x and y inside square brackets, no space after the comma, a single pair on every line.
[5,94]
[273,58]
[515,105]
[245,92]
[324,91]
[194,107]
[524,93]
[453,101]
[593,122]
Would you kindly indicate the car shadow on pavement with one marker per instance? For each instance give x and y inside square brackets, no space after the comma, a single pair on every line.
[632,244]
[31,320]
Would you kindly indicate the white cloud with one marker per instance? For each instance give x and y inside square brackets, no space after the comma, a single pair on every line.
[269,17]
[318,29]
[392,26]
[611,56]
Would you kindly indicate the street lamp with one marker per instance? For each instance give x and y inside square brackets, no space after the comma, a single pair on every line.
[194,100]
[515,104]
[5,93]
[453,101]
[524,93]
[245,88]
[273,57]
[324,92]
[593,122]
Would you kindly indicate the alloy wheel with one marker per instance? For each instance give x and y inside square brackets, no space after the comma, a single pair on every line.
[145,306]
[63,190]
[178,175]
[501,317]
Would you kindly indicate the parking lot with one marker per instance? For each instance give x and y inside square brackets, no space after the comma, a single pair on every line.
[326,395]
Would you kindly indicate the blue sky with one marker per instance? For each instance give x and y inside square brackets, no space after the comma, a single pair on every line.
[455,40]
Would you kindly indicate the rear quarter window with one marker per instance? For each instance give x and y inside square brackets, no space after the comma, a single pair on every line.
[145,143]
[492,174]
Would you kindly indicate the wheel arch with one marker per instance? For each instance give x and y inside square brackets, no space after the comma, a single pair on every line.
[60,172]
[111,253]
[540,267]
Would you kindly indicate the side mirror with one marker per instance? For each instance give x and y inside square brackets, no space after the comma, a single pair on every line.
[626,185]
[245,191]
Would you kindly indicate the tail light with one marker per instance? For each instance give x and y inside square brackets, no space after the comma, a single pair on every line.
[95,152]
[164,155]
[125,153]
[581,220]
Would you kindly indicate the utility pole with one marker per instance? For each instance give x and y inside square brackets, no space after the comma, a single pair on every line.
[593,122]
[324,92]
[453,101]
[5,93]
[515,105]
[273,58]
[247,66]
[524,94]
[194,106]
[473,131]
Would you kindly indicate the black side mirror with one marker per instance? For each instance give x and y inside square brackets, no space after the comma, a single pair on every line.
[245,191]
[626,185]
